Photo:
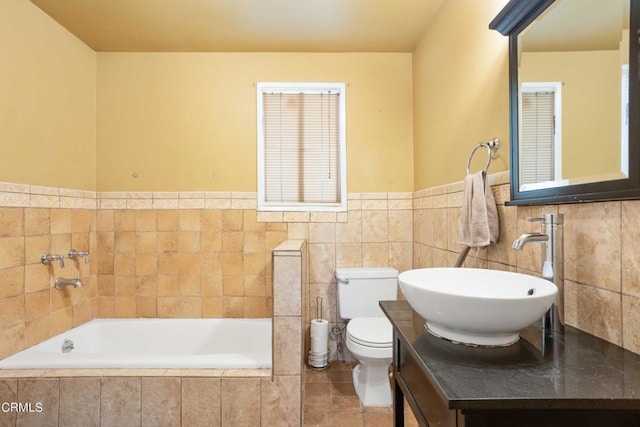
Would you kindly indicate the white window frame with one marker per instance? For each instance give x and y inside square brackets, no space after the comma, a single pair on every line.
[624,113]
[281,87]
[556,88]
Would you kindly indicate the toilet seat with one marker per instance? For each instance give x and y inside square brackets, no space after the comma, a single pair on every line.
[373,332]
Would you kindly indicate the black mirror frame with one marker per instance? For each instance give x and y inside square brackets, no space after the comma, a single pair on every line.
[513,19]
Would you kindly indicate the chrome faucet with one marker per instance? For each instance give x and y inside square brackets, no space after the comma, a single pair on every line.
[552,237]
[79,254]
[49,258]
[62,283]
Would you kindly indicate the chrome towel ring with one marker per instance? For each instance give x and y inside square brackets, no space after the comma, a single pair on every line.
[491,146]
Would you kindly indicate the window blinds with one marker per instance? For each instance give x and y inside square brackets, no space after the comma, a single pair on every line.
[537,133]
[301,148]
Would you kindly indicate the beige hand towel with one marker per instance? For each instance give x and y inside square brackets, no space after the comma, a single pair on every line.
[479,216]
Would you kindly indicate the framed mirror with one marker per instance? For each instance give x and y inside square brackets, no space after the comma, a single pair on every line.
[574,93]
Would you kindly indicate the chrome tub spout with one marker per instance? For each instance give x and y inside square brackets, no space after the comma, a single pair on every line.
[62,283]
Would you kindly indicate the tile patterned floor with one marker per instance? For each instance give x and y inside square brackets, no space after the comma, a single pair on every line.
[331,401]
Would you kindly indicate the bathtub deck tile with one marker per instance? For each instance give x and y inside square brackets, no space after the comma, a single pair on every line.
[193,373]
[134,372]
[246,373]
[22,373]
[64,373]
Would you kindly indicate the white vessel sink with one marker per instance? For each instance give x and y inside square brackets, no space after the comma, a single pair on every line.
[477,306]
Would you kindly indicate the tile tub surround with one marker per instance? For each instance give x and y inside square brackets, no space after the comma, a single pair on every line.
[141,397]
[187,254]
[31,310]
[601,243]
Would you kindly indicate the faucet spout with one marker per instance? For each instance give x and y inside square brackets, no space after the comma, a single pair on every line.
[552,263]
[62,283]
[525,238]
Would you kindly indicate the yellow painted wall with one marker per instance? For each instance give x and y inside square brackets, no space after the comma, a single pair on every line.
[461,92]
[591,124]
[187,121]
[47,101]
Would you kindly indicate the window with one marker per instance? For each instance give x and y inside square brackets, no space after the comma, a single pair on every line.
[540,133]
[301,147]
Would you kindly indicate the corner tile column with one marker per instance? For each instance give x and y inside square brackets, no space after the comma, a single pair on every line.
[282,395]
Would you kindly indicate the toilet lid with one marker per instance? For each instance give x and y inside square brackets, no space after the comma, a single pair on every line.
[371,331]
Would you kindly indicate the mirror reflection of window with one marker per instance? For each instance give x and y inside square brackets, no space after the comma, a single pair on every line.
[624,141]
[586,55]
[540,132]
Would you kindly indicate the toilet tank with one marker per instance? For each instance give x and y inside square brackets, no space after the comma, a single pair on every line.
[360,290]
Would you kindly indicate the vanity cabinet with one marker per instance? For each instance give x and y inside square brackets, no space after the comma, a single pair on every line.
[571,379]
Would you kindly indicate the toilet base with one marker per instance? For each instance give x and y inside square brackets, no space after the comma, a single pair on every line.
[371,381]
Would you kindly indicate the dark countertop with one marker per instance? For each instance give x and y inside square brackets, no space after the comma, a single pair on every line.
[571,370]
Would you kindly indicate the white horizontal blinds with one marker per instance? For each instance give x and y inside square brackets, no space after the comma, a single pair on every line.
[537,137]
[301,147]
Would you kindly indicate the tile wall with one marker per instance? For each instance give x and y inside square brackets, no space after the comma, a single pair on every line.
[208,254]
[33,221]
[602,242]
[126,399]
[176,254]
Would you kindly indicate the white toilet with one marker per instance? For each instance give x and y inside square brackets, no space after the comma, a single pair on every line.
[369,334]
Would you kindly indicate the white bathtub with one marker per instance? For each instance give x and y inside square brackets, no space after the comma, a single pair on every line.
[154,343]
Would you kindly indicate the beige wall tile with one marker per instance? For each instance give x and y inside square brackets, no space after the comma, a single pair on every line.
[12,222]
[120,401]
[350,231]
[592,244]
[12,339]
[189,220]
[630,232]
[401,226]
[211,220]
[161,401]
[240,399]
[287,283]
[124,220]
[125,242]
[233,306]
[13,280]
[375,254]
[37,330]
[631,323]
[348,255]
[596,311]
[36,304]
[322,258]
[287,340]
[80,402]
[45,391]
[375,226]
[201,403]
[37,221]
[8,393]
[280,401]
[232,220]
[188,242]
[440,228]
[60,221]
[167,220]
[12,252]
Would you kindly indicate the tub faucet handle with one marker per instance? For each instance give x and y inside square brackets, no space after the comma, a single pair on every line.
[77,254]
[47,259]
